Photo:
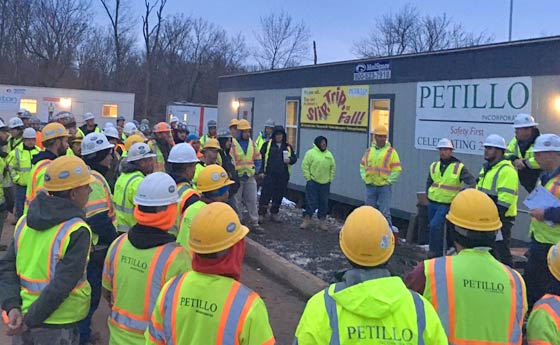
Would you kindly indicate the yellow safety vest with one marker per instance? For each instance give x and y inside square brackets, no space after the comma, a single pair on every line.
[186,220]
[501,183]
[259,142]
[159,164]
[445,187]
[541,231]
[125,191]
[19,164]
[245,161]
[268,152]
[37,255]
[100,200]
[514,151]
[185,193]
[478,299]
[543,327]
[14,142]
[35,185]
[378,163]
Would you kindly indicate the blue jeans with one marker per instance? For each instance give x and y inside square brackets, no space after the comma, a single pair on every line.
[436,218]
[380,198]
[94,277]
[20,200]
[317,197]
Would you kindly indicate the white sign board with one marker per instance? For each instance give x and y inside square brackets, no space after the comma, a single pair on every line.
[467,111]
[9,102]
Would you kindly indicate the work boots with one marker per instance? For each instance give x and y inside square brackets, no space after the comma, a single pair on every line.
[323,224]
[275,218]
[305,223]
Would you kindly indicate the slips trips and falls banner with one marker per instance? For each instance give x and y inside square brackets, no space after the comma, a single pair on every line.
[336,107]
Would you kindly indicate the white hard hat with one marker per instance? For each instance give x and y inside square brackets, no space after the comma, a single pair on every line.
[174,119]
[2,124]
[129,128]
[89,116]
[523,121]
[29,133]
[182,153]
[444,143]
[111,132]
[108,124]
[269,123]
[212,123]
[139,151]
[494,140]
[547,143]
[95,142]
[15,122]
[157,189]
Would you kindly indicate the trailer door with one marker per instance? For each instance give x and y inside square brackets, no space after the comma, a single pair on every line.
[381,113]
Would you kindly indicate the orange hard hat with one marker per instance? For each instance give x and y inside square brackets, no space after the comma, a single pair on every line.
[162,127]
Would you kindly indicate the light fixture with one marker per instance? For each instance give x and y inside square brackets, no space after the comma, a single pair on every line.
[557,103]
[65,102]
[235,104]
[185,117]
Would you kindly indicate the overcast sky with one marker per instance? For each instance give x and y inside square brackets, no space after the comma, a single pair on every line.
[336,24]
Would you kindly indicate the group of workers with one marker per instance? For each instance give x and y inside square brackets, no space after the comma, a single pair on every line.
[153,225]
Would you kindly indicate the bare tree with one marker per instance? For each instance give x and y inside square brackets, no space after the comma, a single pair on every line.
[281,41]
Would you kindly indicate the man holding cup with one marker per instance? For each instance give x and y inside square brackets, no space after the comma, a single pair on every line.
[278,157]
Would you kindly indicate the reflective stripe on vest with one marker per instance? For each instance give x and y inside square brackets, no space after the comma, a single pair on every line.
[542,231]
[34,183]
[122,207]
[102,204]
[550,304]
[384,169]
[493,191]
[245,162]
[330,305]
[443,296]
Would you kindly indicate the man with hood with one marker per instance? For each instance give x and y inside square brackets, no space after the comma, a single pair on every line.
[318,168]
[369,304]
[161,145]
[141,261]
[43,285]
[209,305]
[520,151]
[265,135]
[227,162]
[380,168]
[445,180]
[278,157]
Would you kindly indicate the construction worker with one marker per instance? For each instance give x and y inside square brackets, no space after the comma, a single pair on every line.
[445,179]
[499,180]
[97,153]
[89,126]
[247,162]
[180,133]
[43,285]
[25,117]
[227,162]
[318,168]
[16,133]
[173,122]
[139,163]
[478,299]
[19,164]
[233,127]
[265,135]
[212,132]
[182,164]
[120,121]
[3,171]
[380,169]
[194,140]
[143,259]
[543,327]
[278,158]
[545,222]
[113,136]
[520,151]
[209,305]
[129,129]
[210,154]
[35,123]
[161,144]
[55,140]
[75,144]
[131,140]
[213,186]
[369,304]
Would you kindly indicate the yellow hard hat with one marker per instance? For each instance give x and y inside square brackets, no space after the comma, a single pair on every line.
[473,210]
[78,138]
[133,139]
[212,144]
[212,177]
[243,125]
[365,237]
[554,260]
[53,130]
[233,122]
[380,130]
[215,227]
[67,172]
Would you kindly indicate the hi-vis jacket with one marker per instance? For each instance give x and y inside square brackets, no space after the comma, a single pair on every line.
[500,182]
[380,166]
[543,327]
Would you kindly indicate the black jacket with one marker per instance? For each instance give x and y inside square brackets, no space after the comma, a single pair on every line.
[275,166]
[229,167]
[42,156]
[86,131]
[45,212]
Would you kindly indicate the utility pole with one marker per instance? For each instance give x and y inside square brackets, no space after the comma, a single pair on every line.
[510,17]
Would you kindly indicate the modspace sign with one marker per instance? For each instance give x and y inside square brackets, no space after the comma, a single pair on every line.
[467,111]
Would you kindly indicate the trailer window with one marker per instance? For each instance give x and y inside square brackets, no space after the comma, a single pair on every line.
[292,120]
[379,115]
[110,110]
[28,104]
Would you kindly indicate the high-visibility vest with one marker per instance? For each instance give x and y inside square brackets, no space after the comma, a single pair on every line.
[35,185]
[96,130]
[135,278]
[245,161]
[2,168]
[259,142]
[204,138]
[514,151]
[543,327]
[125,191]
[159,164]
[541,231]
[267,153]
[197,169]
[185,193]
[37,256]
[378,163]
[501,184]
[19,163]
[100,200]
[445,187]
[186,220]
[14,142]
[478,299]
[197,308]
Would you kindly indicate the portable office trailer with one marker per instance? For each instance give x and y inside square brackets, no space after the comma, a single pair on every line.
[46,101]
[463,94]
[195,115]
